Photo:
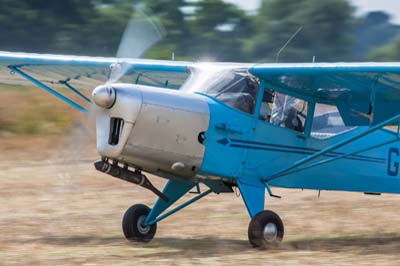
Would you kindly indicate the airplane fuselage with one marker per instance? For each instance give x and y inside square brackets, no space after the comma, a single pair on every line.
[192,135]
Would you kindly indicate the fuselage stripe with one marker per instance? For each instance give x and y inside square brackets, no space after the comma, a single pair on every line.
[297,150]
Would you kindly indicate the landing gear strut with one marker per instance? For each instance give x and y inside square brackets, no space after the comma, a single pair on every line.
[265,230]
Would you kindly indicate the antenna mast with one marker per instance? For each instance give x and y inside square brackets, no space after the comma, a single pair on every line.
[287,43]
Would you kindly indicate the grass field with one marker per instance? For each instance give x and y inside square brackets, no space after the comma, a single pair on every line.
[32,111]
[59,211]
[55,209]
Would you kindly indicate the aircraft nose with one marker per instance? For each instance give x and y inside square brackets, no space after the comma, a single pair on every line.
[104,96]
[120,105]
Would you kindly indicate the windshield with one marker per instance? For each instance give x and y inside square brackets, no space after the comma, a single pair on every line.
[234,87]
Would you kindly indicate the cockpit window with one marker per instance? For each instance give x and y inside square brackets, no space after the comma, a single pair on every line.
[240,93]
[327,122]
[289,112]
[283,110]
[235,88]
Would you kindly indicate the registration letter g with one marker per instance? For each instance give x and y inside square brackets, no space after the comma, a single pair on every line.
[393,168]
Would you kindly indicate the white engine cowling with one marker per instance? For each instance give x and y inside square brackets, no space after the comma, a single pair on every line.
[158,129]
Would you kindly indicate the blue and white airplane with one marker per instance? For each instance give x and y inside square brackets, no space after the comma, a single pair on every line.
[313,126]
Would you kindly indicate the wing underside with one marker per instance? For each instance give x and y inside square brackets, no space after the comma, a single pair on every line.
[88,72]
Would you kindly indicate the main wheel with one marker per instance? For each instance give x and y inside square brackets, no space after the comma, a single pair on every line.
[265,230]
[132,224]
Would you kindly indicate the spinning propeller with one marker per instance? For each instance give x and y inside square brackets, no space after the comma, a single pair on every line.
[142,32]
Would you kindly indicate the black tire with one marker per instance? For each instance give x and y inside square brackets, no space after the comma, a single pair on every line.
[131,224]
[257,226]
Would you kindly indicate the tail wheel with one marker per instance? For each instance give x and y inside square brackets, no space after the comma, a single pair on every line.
[132,224]
[265,230]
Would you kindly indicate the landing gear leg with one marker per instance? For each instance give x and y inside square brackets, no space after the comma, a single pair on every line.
[266,227]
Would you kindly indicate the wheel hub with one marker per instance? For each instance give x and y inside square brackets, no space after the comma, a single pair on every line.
[140,225]
[270,232]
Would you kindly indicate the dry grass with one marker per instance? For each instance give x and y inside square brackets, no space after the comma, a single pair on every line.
[57,210]
[32,111]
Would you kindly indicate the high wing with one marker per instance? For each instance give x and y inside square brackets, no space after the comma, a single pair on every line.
[82,72]
[363,92]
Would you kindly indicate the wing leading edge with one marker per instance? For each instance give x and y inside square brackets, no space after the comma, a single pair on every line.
[81,72]
[22,59]
[87,72]
[356,88]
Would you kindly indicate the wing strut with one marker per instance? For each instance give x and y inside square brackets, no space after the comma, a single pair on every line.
[15,69]
[69,86]
[296,165]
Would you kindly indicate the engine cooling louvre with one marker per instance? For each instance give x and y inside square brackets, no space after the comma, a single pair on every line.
[116,126]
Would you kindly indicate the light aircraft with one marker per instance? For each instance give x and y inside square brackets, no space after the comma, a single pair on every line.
[319,126]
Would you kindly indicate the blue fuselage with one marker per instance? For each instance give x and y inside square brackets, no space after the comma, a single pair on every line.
[239,146]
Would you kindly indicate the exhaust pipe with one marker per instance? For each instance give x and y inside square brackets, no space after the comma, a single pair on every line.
[135,177]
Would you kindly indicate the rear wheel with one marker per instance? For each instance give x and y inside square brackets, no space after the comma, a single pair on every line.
[265,230]
[132,224]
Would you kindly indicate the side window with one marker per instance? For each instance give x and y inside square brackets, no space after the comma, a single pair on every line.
[283,110]
[327,122]
[289,112]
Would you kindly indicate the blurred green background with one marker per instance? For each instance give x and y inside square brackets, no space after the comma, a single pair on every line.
[203,29]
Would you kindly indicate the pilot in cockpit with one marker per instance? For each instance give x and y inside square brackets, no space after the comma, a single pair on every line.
[287,112]
[281,110]
[239,90]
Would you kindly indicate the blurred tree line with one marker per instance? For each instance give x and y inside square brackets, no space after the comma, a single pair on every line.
[203,29]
